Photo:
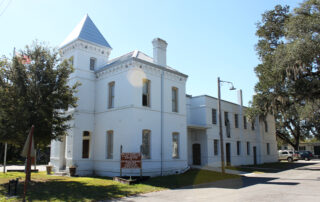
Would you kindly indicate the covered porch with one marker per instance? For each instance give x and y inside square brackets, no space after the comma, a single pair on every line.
[197,145]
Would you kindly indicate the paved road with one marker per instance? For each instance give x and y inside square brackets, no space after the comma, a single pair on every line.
[299,184]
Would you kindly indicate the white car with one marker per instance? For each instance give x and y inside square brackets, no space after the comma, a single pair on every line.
[287,155]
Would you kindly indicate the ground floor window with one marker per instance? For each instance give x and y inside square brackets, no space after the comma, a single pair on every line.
[175,145]
[145,150]
[248,148]
[268,148]
[109,144]
[302,148]
[215,147]
[238,148]
[85,144]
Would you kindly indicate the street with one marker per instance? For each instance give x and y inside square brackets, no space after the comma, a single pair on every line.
[301,183]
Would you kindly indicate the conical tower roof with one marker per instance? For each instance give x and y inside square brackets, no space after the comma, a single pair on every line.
[86,30]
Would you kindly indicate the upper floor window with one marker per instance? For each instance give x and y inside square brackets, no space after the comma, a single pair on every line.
[111,95]
[266,126]
[236,121]
[93,62]
[214,116]
[174,99]
[85,144]
[175,145]
[244,122]
[252,125]
[145,150]
[227,123]
[71,60]
[146,93]
[226,119]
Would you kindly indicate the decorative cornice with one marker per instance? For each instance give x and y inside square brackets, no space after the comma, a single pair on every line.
[86,46]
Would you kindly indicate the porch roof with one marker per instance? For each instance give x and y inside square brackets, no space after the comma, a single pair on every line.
[197,126]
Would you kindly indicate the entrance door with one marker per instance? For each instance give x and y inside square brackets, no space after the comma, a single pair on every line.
[255,155]
[196,154]
[228,154]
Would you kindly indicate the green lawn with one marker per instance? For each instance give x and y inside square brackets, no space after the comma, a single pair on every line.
[62,188]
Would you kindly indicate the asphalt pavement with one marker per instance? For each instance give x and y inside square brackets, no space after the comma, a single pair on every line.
[301,183]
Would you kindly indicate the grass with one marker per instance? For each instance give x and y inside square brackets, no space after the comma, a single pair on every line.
[62,188]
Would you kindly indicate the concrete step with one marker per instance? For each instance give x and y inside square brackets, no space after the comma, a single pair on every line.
[61,173]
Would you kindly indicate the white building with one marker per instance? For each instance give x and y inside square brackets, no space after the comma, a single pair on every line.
[136,100]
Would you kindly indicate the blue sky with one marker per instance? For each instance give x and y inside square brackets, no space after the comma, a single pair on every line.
[206,38]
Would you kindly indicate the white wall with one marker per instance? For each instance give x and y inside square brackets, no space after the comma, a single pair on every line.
[201,114]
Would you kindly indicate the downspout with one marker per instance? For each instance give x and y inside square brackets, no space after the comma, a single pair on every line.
[161,120]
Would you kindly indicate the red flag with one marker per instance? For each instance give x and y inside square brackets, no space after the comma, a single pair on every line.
[24,59]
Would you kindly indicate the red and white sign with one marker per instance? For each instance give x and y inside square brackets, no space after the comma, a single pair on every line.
[130,160]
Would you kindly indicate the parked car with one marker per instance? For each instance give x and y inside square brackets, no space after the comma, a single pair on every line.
[296,156]
[287,155]
[306,155]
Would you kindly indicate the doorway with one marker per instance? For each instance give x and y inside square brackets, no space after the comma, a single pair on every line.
[254,155]
[196,154]
[63,154]
[228,154]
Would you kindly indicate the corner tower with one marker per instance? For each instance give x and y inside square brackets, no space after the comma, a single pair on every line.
[89,51]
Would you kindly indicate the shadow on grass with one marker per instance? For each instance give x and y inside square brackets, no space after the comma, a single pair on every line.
[61,190]
[190,178]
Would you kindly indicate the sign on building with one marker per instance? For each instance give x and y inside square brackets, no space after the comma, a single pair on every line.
[130,160]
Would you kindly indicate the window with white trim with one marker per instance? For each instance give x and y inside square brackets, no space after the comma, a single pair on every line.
[146,139]
[175,145]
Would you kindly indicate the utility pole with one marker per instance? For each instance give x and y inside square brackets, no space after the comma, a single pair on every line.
[220,128]
[220,121]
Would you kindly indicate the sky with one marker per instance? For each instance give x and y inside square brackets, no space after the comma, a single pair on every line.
[206,38]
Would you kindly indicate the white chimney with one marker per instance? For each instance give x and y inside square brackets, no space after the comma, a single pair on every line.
[160,51]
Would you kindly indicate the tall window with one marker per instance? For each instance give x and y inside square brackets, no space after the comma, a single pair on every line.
[236,121]
[244,122]
[175,145]
[92,63]
[252,125]
[174,99]
[248,148]
[226,118]
[215,147]
[109,144]
[146,93]
[238,147]
[214,116]
[85,144]
[146,144]
[111,95]
[266,126]
[71,60]
[268,148]
[227,123]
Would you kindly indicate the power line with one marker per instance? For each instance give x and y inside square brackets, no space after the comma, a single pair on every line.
[5,7]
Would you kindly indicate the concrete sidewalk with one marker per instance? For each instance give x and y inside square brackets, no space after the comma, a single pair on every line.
[21,167]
